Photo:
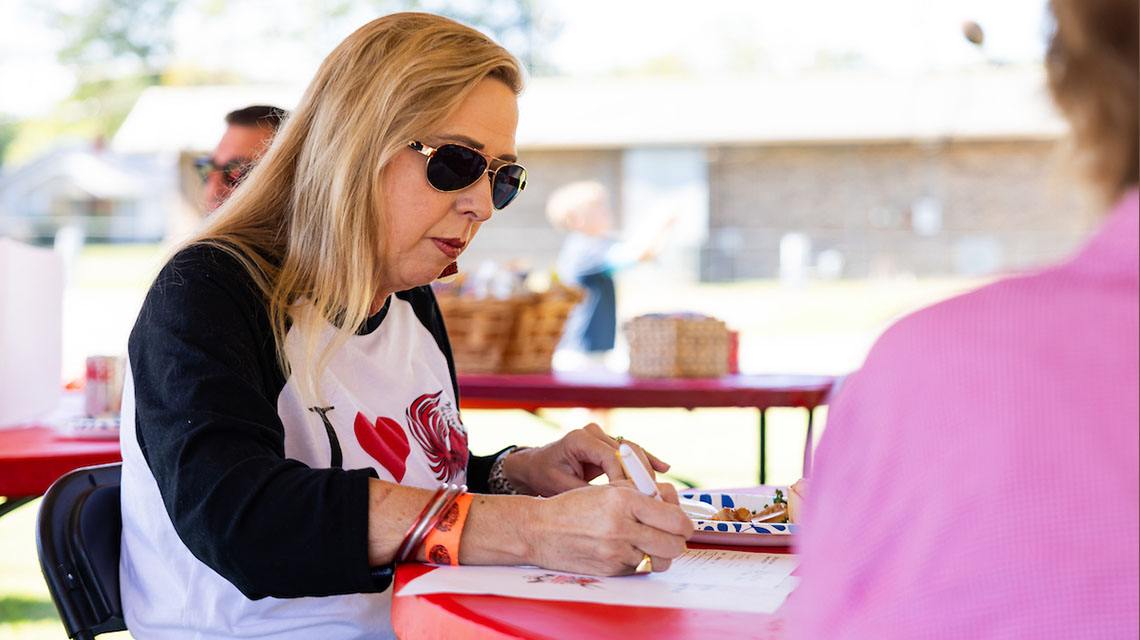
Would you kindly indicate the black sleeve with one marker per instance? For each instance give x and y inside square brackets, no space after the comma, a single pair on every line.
[427,310]
[479,472]
[206,383]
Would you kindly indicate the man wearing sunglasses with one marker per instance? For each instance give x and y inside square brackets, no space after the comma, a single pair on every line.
[248,134]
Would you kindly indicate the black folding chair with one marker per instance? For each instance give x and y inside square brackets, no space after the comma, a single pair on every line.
[77,536]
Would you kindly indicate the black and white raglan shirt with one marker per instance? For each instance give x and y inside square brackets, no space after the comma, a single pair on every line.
[245,511]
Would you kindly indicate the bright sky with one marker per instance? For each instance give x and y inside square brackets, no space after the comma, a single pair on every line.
[901,35]
[597,37]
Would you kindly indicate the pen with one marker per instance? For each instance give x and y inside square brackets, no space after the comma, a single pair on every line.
[635,470]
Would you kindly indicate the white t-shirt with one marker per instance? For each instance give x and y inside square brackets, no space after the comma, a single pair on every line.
[245,509]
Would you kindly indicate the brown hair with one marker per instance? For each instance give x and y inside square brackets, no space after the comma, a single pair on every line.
[1092,64]
[258,115]
[307,221]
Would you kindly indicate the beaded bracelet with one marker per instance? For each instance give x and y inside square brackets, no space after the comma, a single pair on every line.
[442,500]
[497,480]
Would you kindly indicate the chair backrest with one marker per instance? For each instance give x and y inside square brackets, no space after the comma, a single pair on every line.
[77,536]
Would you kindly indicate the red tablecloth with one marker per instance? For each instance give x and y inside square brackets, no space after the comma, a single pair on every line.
[612,390]
[31,458]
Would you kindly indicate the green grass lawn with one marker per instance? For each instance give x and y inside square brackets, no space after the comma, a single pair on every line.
[820,328]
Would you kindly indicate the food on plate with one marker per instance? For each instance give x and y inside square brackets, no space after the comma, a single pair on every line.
[776,512]
[782,506]
[733,515]
[797,493]
[773,513]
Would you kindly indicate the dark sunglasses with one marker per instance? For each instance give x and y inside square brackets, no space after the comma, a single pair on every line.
[453,167]
[233,172]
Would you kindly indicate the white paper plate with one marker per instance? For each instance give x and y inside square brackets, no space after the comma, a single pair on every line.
[744,534]
[91,429]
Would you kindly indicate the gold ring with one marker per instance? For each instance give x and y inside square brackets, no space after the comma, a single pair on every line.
[619,440]
[645,566]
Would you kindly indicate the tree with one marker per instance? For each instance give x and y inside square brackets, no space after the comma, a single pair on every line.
[118,48]
[8,131]
[104,34]
[519,25]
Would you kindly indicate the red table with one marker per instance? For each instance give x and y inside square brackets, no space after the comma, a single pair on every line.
[33,457]
[612,390]
[455,615]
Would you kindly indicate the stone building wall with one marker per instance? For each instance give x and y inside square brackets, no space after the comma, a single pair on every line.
[1004,205]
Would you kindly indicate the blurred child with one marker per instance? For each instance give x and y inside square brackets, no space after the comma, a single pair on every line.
[589,258]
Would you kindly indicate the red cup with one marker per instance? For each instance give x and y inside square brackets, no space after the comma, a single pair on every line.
[103,391]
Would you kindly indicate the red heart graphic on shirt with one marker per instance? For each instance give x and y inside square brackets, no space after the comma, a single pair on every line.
[386,442]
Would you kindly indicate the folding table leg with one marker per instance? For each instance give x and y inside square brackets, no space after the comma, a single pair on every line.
[807,443]
[763,443]
[11,504]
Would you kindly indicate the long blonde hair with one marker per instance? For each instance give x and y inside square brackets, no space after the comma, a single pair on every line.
[307,223]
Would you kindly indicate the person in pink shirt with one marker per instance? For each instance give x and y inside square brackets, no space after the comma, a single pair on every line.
[979,475]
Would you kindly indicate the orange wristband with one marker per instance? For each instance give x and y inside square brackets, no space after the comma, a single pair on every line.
[442,542]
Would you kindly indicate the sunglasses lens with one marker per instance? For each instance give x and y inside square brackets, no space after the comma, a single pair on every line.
[204,167]
[510,179]
[233,173]
[453,167]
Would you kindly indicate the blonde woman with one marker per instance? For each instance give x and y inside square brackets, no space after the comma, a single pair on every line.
[293,401]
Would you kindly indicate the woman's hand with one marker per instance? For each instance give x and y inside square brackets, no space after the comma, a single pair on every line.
[570,463]
[606,530]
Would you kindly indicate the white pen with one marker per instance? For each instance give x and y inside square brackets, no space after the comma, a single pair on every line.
[643,480]
[635,470]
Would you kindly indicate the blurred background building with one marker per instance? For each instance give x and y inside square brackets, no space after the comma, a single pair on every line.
[829,175]
[87,192]
[865,154]
[815,141]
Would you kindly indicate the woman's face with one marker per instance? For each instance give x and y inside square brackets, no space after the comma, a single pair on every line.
[426,229]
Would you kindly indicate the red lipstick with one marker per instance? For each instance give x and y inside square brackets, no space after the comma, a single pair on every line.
[450,247]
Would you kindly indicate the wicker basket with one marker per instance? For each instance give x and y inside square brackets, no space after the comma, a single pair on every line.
[677,346]
[538,328]
[517,335]
[478,330]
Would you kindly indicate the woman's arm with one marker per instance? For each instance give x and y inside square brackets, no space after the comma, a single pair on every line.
[601,530]
[594,529]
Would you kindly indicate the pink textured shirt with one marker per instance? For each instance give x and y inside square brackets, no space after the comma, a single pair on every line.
[978,478]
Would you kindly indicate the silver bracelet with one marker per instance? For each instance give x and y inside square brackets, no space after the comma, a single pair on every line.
[497,481]
[444,497]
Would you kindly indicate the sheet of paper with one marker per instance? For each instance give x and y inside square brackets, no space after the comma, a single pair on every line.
[699,579]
